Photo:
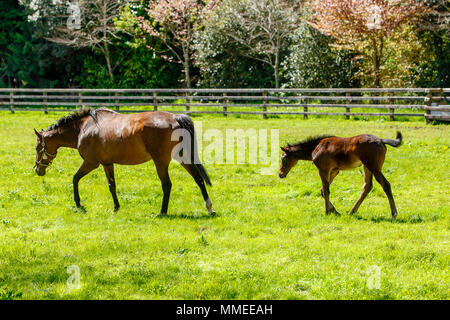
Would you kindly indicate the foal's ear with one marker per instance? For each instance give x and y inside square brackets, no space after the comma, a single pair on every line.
[37,133]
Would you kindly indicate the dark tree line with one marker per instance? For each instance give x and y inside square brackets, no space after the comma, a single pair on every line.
[258,43]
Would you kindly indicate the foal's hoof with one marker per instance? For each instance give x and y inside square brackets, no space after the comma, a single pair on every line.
[333,210]
[212,213]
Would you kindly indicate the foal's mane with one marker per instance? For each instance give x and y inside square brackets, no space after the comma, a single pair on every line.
[307,145]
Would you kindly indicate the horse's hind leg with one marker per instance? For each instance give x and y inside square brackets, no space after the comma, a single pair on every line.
[387,189]
[109,171]
[85,168]
[366,189]
[199,180]
[163,174]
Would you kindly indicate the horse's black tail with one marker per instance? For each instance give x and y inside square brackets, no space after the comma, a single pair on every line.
[186,123]
[394,142]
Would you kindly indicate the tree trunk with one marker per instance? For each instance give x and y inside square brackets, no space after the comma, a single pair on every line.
[376,58]
[108,63]
[186,64]
[276,69]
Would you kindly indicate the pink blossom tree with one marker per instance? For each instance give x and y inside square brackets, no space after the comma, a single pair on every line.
[174,22]
[364,26]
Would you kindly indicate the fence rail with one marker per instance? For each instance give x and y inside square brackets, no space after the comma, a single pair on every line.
[430,103]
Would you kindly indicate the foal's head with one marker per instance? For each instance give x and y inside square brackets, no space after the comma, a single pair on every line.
[288,160]
[43,158]
[299,151]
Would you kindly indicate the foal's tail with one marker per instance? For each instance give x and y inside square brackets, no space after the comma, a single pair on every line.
[186,123]
[394,142]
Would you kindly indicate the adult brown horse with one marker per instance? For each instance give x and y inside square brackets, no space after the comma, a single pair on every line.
[331,154]
[104,137]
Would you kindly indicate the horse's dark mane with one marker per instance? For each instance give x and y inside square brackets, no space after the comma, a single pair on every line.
[79,114]
[308,145]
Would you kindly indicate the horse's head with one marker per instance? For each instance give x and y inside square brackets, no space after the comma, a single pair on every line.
[43,158]
[288,160]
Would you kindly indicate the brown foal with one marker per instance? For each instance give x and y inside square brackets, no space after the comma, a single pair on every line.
[104,137]
[332,154]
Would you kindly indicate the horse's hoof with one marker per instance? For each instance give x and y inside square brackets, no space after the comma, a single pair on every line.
[212,213]
[116,209]
[162,214]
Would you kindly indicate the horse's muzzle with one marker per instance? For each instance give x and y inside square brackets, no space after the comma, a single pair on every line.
[39,171]
[281,175]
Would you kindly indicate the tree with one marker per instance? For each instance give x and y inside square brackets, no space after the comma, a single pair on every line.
[22,61]
[90,24]
[173,22]
[314,63]
[222,64]
[364,26]
[263,28]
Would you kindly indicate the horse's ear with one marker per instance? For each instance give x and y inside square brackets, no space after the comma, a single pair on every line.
[37,133]
[285,149]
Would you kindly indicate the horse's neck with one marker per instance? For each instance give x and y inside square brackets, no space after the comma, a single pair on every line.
[63,137]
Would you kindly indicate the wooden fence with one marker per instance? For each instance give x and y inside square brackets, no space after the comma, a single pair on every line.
[380,102]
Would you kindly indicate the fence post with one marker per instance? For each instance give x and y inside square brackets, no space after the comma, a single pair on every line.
[80,100]
[391,110]
[347,110]
[11,102]
[305,108]
[45,102]
[431,101]
[116,101]
[264,104]
[225,104]
[188,101]
[155,101]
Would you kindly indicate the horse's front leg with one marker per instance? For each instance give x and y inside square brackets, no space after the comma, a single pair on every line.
[324,176]
[85,168]
[109,171]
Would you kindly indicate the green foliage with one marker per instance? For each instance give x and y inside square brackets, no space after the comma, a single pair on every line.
[313,63]
[22,62]
[222,64]
[138,68]
[434,71]
[270,238]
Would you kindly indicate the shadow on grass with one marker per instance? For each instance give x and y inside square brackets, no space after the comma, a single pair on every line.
[410,220]
[186,216]
[81,210]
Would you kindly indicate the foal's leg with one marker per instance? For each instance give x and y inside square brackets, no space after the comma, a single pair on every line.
[387,189]
[331,176]
[109,171]
[85,168]
[326,192]
[199,180]
[163,174]
[366,189]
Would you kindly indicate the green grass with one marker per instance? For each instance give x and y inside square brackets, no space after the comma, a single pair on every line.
[270,238]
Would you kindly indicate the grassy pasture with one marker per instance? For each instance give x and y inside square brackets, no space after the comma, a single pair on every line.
[270,238]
